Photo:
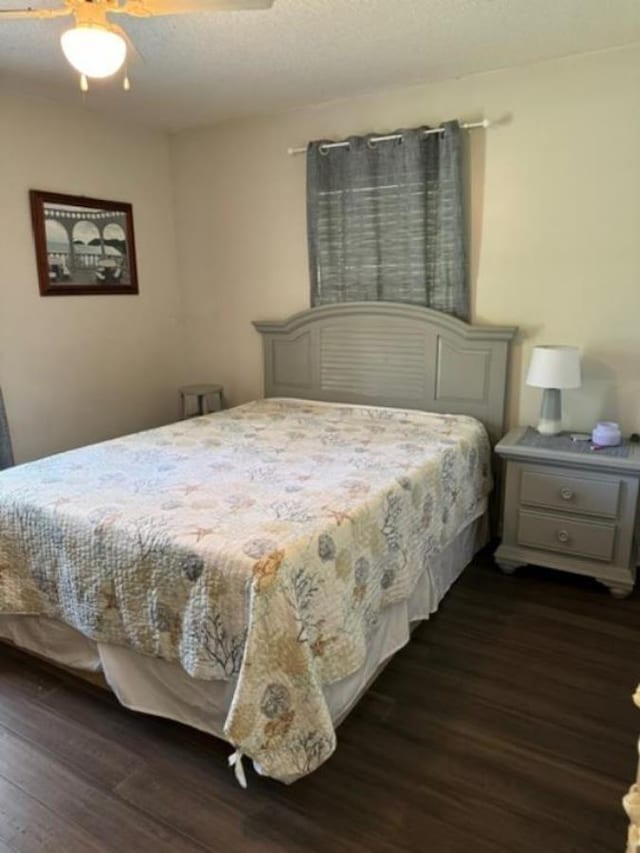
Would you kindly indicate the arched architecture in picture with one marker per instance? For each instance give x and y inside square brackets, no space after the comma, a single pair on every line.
[81,238]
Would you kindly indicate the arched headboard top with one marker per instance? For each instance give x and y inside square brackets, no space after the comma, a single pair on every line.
[389,354]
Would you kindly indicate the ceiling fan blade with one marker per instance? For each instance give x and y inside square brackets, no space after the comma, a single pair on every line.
[153,8]
[37,14]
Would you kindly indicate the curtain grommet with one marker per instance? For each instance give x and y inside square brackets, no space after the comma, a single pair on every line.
[326,147]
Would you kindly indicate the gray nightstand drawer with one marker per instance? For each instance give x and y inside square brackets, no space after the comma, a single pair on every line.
[565,535]
[572,493]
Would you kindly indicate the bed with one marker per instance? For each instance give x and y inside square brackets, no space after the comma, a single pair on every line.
[250,572]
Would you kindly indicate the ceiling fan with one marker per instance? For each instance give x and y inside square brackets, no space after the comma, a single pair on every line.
[96,47]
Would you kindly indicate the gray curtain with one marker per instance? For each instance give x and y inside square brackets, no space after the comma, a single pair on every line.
[6,452]
[386,222]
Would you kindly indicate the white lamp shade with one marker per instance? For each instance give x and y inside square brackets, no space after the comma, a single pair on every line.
[554,367]
[94,51]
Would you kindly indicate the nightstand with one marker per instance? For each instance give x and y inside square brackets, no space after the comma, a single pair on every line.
[568,507]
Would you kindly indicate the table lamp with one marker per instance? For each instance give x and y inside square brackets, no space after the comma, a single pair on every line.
[553,368]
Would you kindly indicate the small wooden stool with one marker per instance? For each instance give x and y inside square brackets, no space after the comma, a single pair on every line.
[201,392]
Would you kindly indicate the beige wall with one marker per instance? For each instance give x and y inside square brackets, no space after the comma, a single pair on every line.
[555,248]
[555,221]
[79,369]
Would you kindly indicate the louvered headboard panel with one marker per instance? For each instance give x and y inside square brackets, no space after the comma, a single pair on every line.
[389,354]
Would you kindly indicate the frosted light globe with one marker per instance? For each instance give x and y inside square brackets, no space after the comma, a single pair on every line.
[94,51]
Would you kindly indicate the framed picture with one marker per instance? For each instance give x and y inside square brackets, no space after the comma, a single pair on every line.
[83,245]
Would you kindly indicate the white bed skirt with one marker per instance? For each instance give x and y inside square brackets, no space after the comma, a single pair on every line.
[158,687]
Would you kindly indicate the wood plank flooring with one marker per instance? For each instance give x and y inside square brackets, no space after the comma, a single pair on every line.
[506,725]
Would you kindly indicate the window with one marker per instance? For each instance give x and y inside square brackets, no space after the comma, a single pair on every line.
[385,220]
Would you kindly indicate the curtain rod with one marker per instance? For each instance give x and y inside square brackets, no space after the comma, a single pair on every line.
[470,125]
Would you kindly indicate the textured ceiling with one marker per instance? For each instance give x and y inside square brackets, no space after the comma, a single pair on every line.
[205,68]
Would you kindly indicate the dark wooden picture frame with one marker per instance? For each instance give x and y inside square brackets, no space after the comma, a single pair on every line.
[83,245]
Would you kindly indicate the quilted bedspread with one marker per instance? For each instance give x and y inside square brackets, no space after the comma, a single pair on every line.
[259,544]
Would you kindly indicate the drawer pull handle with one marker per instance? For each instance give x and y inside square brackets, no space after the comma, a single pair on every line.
[563,536]
[566,494]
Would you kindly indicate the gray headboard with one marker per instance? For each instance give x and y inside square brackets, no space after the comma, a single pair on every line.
[389,354]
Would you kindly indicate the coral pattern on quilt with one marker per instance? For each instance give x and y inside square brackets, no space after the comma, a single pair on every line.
[259,544]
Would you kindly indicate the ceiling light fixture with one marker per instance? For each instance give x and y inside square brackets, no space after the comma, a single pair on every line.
[94,51]
[98,48]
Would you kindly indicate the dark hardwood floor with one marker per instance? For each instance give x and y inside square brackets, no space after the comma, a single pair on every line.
[506,725]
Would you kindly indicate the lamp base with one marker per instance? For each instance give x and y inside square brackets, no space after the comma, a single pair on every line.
[550,412]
